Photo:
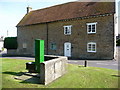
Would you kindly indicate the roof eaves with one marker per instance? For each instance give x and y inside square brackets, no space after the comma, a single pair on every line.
[23,19]
[85,17]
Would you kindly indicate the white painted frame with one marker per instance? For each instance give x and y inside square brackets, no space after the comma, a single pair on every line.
[69,28]
[92,43]
[91,27]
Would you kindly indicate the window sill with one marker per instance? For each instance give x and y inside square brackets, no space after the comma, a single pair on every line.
[91,33]
[67,34]
[91,51]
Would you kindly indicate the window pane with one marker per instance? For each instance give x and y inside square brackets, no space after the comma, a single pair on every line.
[89,47]
[93,47]
[67,30]
[53,46]
[89,28]
[93,28]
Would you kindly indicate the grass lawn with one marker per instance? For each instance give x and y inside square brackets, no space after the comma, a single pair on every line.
[76,77]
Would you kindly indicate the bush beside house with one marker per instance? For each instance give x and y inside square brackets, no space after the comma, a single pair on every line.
[10,43]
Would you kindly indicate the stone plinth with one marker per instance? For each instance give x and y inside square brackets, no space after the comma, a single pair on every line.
[52,69]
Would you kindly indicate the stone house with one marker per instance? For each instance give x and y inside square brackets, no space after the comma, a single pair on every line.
[80,30]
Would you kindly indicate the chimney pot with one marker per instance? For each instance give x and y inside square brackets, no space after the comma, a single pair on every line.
[29,9]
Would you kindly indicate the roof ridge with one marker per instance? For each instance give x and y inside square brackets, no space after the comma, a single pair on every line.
[66,11]
[54,6]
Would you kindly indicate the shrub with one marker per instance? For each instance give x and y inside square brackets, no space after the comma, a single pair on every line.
[118,42]
[10,43]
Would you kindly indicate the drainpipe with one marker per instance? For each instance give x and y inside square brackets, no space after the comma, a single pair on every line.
[47,36]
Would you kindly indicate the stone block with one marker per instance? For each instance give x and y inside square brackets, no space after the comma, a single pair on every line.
[52,69]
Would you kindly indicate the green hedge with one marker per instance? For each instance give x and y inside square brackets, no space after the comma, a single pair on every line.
[10,43]
[118,42]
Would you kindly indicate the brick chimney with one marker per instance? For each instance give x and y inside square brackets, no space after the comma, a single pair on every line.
[29,9]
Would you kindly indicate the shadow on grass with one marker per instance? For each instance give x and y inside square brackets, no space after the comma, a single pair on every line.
[81,66]
[25,78]
[116,75]
[33,80]
[13,73]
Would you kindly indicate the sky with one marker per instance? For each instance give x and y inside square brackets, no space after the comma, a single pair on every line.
[12,11]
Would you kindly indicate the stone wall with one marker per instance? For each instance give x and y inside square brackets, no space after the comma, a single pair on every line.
[27,35]
[52,69]
[11,51]
[104,38]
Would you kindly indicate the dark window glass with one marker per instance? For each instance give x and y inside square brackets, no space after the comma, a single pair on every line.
[89,28]
[93,47]
[93,28]
[53,46]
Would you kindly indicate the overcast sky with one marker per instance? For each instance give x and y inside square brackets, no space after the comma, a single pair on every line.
[12,11]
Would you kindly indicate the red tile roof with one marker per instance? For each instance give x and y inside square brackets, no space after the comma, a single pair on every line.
[67,11]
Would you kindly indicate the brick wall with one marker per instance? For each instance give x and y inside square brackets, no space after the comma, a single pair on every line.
[79,38]
[27,35]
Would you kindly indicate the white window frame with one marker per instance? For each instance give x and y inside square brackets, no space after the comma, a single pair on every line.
[91,50]
[91,32]
[68,31]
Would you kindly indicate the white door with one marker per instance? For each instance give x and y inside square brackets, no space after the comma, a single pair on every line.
[67,49]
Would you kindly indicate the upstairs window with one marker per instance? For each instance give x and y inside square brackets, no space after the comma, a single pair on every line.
[91,28]
[91,47]
[67,30]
